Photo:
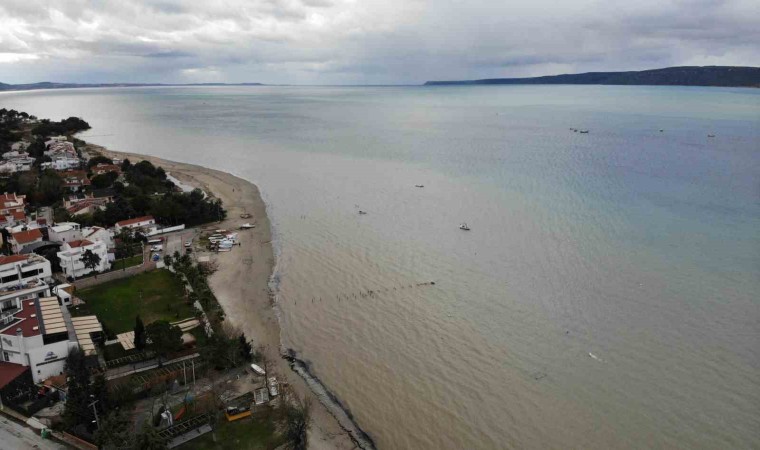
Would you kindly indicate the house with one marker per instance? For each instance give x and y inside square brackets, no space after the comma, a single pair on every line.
[20,146]
[65,232]
[144,222]
[14,219]
[75,180]
[18,270]
[87,205]
[98,234]
[11,202]
[102,169]
[72,253]
[22,239]
[61,162]
[33,332]
[21,160]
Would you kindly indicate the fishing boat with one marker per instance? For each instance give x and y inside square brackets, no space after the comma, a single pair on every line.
[583,131]
[419,185]
[710,135]
[464,227]
[362,212]
[273,391]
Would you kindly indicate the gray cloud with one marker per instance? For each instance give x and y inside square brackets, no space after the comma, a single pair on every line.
[372,41]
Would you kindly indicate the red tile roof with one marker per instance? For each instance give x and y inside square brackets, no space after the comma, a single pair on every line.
[9,372]
[29,320]
[18,215]
[22,237]
[12,259]
[79,243]
[124,223]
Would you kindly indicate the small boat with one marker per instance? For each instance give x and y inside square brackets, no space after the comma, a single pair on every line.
[257,369]
[464,227]
[419,185]
[273,387]
[246,226]
[362,212]
[245,216]
[710,135]
[583,131]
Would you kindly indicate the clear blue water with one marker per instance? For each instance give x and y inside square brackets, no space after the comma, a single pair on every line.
[639,246]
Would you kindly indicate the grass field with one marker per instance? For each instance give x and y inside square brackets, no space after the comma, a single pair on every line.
[244,434]
[154,295]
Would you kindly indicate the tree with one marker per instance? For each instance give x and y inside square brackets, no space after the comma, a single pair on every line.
[149,439]
[297,423]
[140,340]
[90,260]
[115,431]
[164,338]
[77,410]
[245,348]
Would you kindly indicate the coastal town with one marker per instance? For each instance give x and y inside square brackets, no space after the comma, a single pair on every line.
[114,329]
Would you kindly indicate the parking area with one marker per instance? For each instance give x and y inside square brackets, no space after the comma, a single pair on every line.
[175,242]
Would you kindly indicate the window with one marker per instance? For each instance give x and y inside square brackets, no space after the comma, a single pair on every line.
[9,278]
[6,356]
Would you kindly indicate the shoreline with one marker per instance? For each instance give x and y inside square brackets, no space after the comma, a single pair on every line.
[246,273]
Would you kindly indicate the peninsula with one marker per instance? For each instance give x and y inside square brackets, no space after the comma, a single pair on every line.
[722,76]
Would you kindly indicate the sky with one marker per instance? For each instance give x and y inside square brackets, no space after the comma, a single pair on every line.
[364,41]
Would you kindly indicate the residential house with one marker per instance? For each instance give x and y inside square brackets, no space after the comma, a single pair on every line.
[33,332]
[81,203]
[71,257]
[102,169]
[98,234]
[11,202]
[75,180]
[21,160]
[23,239]
[65,232]
[144,222]
[61,162]
[14,219]
[18,270]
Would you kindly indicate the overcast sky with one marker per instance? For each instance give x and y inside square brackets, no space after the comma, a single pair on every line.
[364,41]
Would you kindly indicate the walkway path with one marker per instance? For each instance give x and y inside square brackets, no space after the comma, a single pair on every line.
[15,436]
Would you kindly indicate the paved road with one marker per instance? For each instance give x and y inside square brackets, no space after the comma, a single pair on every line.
[15,436]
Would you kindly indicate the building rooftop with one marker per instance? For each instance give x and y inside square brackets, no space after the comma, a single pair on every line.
[79,243]
[22,237]
[9,372]
[12,259]
[52,316]
[84,327]
[127,222]
[27,321]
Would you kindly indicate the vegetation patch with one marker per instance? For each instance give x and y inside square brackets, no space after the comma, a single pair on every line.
[155,295]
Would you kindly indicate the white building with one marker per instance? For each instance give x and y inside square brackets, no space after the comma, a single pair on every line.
[70,257]
[33,331]
[145,222]
[65,232]
[18,270]
[61,162]
[98,234]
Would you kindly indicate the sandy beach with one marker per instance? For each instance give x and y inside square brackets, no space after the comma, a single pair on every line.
[242,279]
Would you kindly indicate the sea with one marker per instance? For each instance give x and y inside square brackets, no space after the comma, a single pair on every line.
[607,294]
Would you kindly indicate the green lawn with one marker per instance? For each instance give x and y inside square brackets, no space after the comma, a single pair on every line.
[153,295]
[245,434]
[120,264]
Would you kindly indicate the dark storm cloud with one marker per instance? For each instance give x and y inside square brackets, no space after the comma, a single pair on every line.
[372,41]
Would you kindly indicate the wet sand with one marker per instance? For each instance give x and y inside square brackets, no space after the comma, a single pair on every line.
[241,283]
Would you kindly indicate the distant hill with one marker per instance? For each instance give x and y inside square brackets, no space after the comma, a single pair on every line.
[726,76]
[49,85]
